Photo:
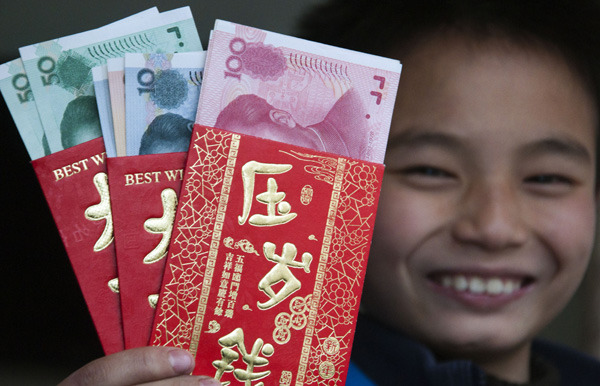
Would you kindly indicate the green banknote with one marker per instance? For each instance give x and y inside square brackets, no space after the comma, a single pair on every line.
[60,70]
[16,90]
[17,93]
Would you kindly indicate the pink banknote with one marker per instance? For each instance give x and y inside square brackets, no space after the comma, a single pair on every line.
[296,91]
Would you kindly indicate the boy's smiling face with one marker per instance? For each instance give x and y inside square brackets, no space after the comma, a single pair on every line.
[487,210]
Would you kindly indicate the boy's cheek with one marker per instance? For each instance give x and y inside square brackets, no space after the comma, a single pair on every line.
[405,216]
[568,228]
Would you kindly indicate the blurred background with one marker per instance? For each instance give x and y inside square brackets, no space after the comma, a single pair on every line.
[45,329]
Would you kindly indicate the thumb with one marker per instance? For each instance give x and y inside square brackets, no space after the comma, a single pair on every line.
[134,366]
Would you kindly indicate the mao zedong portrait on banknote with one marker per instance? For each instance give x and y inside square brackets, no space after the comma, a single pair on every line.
[167,133]
[80,122]
[341,131]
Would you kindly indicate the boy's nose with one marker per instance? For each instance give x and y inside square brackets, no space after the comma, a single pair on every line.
[489,216]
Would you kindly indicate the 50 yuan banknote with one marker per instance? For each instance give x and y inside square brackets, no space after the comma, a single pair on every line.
[16,90]
[60,75]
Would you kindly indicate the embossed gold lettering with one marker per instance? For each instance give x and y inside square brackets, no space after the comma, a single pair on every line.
[162,225]
[153,300]
[281,272]
[70,170]
[113,284]
[99,158]
[235,339]
[173,175]
[129,179]
[278,211]
[102,211]
[142,178]
[84,163]
[58,174]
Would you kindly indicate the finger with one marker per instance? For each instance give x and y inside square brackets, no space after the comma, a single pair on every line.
[135,366]
[185,380]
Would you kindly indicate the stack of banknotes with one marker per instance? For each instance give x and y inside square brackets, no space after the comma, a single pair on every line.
[66,91]
[144,85]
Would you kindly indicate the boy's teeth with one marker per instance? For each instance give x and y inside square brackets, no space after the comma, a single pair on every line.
[495,286]
[509,287]
[461,283]
[478,285]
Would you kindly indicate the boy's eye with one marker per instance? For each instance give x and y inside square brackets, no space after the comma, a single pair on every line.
[549,179]
[426,177]
[549,184]
[427,171]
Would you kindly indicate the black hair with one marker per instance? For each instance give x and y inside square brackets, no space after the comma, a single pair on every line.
[386,27]
[167,133]
[244,110]
[81,111]
[570,28]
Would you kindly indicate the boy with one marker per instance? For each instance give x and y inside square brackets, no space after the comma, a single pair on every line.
[489,201]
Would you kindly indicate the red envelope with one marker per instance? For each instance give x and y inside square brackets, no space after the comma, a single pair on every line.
[75,184]
[267,260]
[144,191]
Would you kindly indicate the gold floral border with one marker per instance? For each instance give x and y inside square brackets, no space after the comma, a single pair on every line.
[185,294]
[352,212]
[215,241]
[321,271]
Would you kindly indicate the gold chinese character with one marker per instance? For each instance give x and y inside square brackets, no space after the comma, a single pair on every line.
[278,211]
[224,283]
[252,359]
[102,211]
[238,268]
[162,226]
[281,272]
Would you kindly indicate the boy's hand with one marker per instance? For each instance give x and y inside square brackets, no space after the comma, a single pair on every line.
[156,365]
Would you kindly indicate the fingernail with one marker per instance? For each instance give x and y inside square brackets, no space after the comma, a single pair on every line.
[206,381]
[181,361]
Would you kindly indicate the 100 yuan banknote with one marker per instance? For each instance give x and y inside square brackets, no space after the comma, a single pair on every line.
[16,91]
[295,91]
[60,70]
[161,99]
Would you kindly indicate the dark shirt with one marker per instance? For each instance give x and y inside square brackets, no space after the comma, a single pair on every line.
[381,356]
[542,374]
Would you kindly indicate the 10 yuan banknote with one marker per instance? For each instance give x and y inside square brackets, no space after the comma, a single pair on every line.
[161,99]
